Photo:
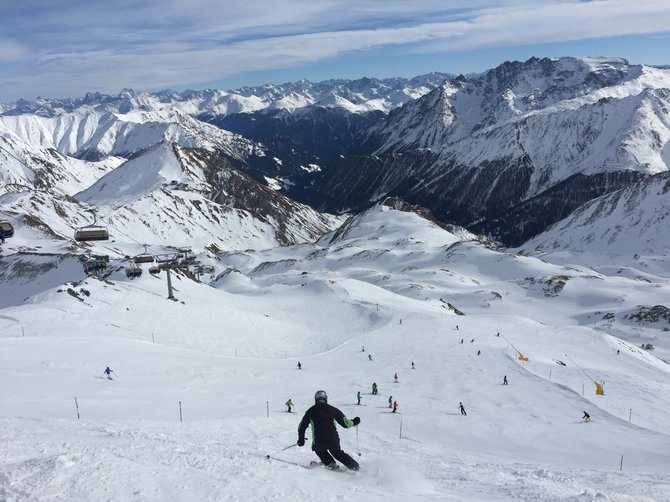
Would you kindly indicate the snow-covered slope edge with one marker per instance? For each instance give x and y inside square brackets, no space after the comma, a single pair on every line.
[632,220]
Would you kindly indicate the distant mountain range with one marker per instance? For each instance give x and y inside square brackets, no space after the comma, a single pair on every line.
[507,153]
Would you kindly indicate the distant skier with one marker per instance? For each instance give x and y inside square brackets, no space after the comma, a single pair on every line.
[2,235]
[472,341]
[289,405]
[363,348]
[325,441]
[395,378]
[461,340]
[108,372]
[479,352]
[390,401]
[299,365]
[498,333]
[395,406]
[358,397]
[375,390]
[617,352]
[369,357]
[505,380]
[462,408]
[413,367]
[586,417]
[457,327]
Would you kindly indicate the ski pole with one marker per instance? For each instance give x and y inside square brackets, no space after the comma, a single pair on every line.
[358,452]
[279,451]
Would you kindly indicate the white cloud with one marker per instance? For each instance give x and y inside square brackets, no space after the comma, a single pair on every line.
[151,44]
[11,50]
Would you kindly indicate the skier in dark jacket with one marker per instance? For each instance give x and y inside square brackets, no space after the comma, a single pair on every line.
[325,441]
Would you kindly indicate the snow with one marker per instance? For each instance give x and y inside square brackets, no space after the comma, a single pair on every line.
[629,222]
[227,351]
[137,177]
[567,115]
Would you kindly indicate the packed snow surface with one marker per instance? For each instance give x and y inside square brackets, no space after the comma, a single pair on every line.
[197,397]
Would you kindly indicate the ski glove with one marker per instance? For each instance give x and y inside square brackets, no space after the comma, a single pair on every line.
[301,441]
[356,420]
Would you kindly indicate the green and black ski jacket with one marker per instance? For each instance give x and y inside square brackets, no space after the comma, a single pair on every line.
[321,418]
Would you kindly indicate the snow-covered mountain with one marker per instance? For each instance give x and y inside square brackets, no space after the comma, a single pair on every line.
[158,176]
[629,221]
[93,134]
[174,195]
[196,400]
[477,147]
[302,123]
[355,96]
[506,153]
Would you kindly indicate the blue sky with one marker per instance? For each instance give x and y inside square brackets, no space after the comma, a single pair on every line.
[65,48]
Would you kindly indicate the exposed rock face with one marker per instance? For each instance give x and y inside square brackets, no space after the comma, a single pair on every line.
[645,314]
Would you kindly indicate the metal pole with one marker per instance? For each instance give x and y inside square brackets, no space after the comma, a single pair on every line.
[550,375]
[630,414]
[181,419]
[169,283]
[621,465]
[582,389]
[267,407]
[401,429]
[152,338]
[283,449]
[23,333]
[76,404]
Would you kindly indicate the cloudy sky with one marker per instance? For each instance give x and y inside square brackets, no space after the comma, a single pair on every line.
[65,48]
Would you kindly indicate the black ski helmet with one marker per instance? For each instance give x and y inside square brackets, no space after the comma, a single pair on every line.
[320,396]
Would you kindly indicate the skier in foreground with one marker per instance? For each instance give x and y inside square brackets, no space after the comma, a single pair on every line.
[325,441]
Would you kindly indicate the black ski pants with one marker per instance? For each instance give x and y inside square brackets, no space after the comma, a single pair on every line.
[327,459]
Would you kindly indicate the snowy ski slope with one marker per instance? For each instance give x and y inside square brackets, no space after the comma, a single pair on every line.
[390,283]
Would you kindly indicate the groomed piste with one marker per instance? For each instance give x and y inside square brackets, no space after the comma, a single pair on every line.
[196,400]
